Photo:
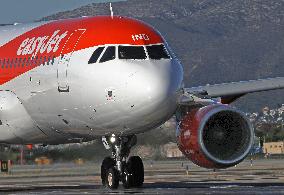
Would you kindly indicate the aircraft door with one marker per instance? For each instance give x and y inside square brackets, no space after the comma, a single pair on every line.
[64,59]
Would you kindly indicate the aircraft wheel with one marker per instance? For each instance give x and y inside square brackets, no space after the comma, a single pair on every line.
[112,178]
[135,169]
[127,179]
[107,163]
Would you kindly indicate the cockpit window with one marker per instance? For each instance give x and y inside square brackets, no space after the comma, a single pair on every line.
[109,54]
[96,55]
[157,52]
[132,52]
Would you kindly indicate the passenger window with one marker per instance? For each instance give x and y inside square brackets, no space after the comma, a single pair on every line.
[96,55]
[132,52]
[12,62]
[15,63]
[157,52]
[53,60]
[24,62]
[109,54]
[7,63]
[36,62]
[20,62]
[44,60]
[49,60]
[28,62]
[33,61]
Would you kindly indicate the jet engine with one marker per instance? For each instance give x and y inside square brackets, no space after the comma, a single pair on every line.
[214,136]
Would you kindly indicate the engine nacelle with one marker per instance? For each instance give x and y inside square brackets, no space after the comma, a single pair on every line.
[215,136]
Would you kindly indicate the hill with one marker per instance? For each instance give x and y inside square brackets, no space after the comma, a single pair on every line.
[216,40]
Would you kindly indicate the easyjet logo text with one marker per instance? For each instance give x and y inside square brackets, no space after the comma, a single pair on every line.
[35,45]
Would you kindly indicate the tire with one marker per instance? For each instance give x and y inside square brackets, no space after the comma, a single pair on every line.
[112,178]
[107,163]
[135,169]
[127,179]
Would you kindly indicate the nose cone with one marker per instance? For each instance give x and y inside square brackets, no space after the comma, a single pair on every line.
[152,91]
[156,83]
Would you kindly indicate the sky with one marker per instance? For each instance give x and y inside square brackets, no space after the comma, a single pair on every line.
[23,11]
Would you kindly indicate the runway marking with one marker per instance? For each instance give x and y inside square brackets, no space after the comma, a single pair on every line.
[226,186]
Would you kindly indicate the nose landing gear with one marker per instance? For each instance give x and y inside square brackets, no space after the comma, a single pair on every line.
[117,168]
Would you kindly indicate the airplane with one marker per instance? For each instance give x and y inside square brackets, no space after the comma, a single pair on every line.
[111,78]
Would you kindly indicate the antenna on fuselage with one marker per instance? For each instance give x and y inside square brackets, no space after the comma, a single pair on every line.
[111,11]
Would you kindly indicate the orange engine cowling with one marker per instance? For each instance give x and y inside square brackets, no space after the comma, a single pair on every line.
[215,136]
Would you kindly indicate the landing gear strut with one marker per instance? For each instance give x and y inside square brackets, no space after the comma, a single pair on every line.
[117,168]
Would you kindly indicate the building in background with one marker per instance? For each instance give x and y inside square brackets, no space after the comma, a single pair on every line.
[273,147]
[171,150]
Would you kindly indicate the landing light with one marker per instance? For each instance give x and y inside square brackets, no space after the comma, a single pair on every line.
[112,139]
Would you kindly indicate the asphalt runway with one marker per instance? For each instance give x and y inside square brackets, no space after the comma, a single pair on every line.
[162,177]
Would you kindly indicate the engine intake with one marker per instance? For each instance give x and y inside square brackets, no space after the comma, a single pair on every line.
[215,136]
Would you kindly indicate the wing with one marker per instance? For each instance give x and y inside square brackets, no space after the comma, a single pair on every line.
[229,92]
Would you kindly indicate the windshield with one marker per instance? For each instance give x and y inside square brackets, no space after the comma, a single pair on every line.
[96,55]
[127,52]
[131,52]
[157,52]
[109,54]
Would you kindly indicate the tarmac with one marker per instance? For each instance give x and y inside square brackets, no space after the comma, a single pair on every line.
[264,176]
